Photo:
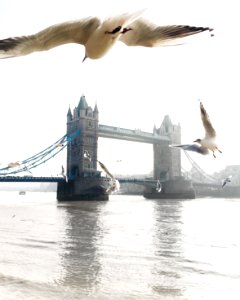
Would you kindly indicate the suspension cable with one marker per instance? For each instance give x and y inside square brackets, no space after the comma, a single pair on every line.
[42,156]
[199,169]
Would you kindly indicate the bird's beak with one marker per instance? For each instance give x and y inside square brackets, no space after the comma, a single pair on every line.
[84,58]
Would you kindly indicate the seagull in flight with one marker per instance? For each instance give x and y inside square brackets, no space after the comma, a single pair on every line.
[63,172]
[207,143]
[226,180]
[59,145]
[114,185]
[87,155]
[159,186]
[13,164]
[98,36]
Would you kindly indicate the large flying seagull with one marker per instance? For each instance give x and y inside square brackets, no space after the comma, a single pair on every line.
[207,143]
[98,36]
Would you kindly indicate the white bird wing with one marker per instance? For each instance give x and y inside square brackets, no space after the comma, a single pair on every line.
[210,132]
[226,180]
[53,36]
[192,147]
[105,169]
[145,33]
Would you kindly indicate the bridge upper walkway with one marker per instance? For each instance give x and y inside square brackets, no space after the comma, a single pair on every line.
[134,135]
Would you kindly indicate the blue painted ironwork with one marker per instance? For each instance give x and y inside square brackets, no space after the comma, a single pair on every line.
[30,179]
[41,157]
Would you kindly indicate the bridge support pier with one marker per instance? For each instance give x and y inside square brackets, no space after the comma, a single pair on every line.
[82,189]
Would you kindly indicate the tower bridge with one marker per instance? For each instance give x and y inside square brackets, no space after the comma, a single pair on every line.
[83,131]
[82,171]
[82,180]
[166,160]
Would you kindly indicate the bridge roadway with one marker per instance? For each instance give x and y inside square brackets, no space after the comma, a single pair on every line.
[134,135]
[30,179]
[151,182]
[61,179]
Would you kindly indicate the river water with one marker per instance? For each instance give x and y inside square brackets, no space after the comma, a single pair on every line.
[125,248]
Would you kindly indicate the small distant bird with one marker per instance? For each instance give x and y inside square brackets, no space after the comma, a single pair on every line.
[13,164]
[226,180]
[159,186]
[59,145]
[208,142]
[98,36]
[63,172]
[87,155]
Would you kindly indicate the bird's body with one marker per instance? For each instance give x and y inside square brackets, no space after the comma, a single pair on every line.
[87,155]
[98,36]
[114,186]
[159,186]
[63,173]
[59,145]
[209,141]
[13,164]
[206,144]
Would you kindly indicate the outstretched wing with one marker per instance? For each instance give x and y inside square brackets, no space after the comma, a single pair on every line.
[225,181]
[192,147]
[209,130]
[53,36]
[105,169]
[145,33]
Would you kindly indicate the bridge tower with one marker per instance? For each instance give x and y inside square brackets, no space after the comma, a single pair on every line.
[82,152]
[167,161]
[84,181]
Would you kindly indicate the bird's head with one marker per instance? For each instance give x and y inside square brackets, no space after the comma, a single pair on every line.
[198,141]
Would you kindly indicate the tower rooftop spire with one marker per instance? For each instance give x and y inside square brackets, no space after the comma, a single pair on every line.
[82,103]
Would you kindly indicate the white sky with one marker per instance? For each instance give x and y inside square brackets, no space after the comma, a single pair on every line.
[134,87]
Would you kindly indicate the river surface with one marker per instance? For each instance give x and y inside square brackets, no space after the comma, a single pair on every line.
[125,248]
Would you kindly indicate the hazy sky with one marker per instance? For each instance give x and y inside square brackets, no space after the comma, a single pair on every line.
[134,87]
